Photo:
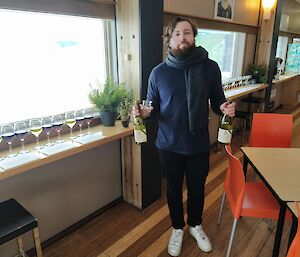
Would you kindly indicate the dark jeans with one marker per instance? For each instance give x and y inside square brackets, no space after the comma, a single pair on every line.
[195,168]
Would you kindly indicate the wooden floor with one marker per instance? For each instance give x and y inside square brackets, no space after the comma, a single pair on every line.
[124,230]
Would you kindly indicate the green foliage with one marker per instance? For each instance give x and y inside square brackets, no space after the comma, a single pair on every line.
[110,97]
[126,106]
[258,73]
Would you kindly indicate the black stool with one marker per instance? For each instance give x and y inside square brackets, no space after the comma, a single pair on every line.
[245,116]
[253,100]
[15,221]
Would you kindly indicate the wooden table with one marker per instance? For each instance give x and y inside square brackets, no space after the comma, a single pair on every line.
[279,168]
[291,206]
[293,209]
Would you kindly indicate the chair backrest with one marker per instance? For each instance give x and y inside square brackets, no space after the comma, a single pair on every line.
[234,184]
[294,250]
[271,130]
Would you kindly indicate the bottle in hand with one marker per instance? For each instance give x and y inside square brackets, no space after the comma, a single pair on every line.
[140,134]
[225,130]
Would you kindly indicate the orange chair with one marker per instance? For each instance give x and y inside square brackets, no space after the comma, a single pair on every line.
[294,250]
[251,199]
[271,130]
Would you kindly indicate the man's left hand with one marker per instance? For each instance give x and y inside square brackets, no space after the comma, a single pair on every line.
[228,108]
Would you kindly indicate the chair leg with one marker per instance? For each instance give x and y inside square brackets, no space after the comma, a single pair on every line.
[231,237]
[37,242]
[244,131]
[270,224]
[21,246]
[221,208]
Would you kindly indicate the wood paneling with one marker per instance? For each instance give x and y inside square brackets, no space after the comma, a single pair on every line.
[265,39]
[128,39]
[139,50]
[249,51]
[291,93]
[205,9]
[213,24]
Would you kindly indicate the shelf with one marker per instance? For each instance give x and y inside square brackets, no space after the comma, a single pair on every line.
[69,148]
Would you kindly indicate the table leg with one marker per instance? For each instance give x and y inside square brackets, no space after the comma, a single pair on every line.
[293,231]
[279,229]
[245,165]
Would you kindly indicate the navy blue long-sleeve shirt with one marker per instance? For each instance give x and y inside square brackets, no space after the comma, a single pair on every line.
[167,91]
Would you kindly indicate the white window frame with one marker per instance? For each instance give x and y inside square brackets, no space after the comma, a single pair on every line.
[111,70]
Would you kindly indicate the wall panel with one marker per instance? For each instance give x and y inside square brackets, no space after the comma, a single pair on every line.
[205,9]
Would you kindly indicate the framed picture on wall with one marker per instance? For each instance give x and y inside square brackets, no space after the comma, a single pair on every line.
[224,9]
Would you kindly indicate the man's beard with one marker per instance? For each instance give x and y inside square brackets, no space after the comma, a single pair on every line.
[180,53]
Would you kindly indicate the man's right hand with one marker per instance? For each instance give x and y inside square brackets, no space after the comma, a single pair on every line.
[141,110]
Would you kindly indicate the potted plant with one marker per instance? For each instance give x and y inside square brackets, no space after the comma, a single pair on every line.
[108,99]
[125,109]
[258,73]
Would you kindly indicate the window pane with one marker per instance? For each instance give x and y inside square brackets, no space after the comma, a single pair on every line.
[47,63]
[282,48]
[224,47]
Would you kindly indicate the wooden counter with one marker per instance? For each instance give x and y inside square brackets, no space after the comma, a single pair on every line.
[284,78]
[286,91]
[244,90]
[110,134]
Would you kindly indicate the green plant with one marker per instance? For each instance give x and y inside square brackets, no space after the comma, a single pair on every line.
[108,98]
[258,72]
[126,106]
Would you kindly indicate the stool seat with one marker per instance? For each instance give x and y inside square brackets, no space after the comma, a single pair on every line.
[245,116]
[242,114]
[253,100]
[15,220]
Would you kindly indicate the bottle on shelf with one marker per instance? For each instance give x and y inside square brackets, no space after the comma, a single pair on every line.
[225,129]
[140,133]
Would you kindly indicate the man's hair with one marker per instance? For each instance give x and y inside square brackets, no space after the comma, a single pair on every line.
[171,26]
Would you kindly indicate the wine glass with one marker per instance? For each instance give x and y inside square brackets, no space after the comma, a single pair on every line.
[57,123]
[21,130]
[70,121]
[35,126]
[88,116]
[47,125]
[79,118]
[8,134]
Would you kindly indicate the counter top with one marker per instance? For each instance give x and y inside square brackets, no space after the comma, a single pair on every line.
[243,90]
[284,77]
[103,135]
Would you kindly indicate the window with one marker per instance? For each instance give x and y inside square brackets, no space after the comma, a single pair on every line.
[281,49]
[224,47]
[296,40]
[48,61]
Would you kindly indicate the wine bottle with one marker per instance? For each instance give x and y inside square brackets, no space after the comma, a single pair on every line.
[140,134]
[225,129]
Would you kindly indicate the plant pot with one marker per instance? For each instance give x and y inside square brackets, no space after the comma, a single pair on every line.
[108,118]
[125,123]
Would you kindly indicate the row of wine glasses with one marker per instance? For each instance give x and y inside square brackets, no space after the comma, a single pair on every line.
[230,83]
[36,125]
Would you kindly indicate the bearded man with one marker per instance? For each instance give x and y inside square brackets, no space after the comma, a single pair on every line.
[180,89]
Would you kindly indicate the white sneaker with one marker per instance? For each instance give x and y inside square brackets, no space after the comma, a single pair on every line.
[202,240]
[175,242]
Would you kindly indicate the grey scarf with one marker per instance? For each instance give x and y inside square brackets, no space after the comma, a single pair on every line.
[196,88]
